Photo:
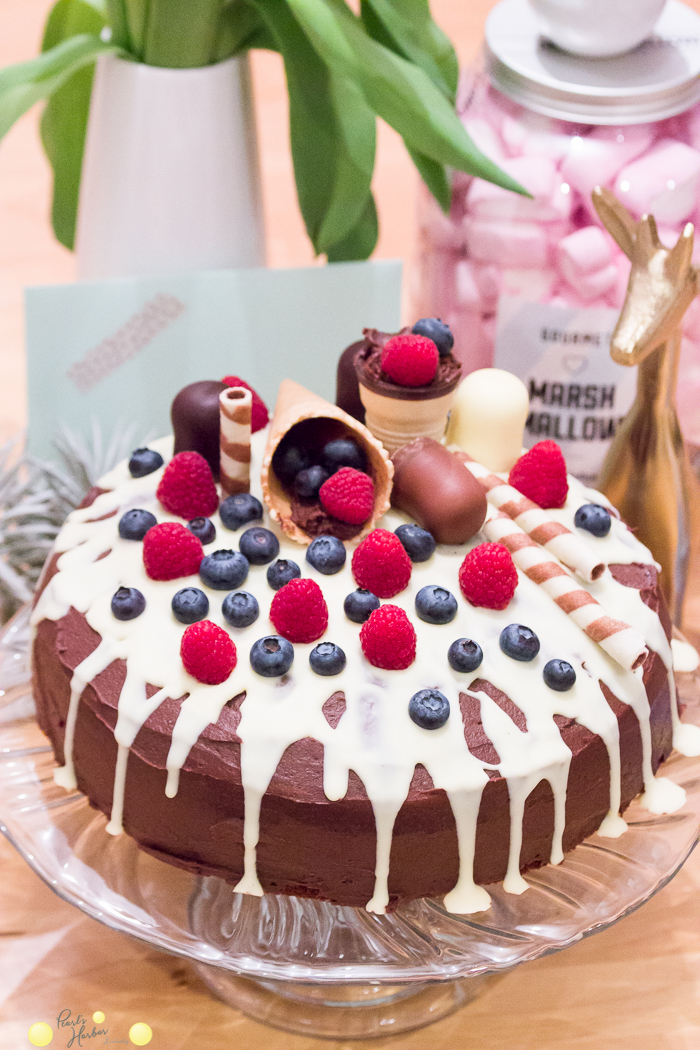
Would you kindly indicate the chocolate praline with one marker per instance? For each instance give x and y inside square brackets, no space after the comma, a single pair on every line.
[196,424]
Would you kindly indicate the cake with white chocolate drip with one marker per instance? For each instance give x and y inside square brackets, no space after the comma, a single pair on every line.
[366,720]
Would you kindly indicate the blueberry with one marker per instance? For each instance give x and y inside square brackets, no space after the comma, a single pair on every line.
[144,461]
[203,529]
[417,542]
[128,603]
[429,709]
[343,452]
[271,656]
[259,545]
[223,570]
[327,554]
[519,642]
[190,605]
[465,655]
[435,604]
[240,609]
[309,481]
[593,518]
[281,572]
[239,510]
[135,524]
[288,460]
[438,331]
[559,675]
[359,605]
[327,659]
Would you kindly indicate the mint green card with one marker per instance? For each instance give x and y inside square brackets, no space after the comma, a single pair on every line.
[121,349]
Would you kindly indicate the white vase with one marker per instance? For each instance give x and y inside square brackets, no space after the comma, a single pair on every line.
[170,180]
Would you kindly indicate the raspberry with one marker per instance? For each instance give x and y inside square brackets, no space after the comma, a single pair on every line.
[541,475]
[187,487]
[388,639]
[299,611]
[348,495]
[260,416]
[170,551]
[488,577]
[208,652]
[380,564]
[410,360]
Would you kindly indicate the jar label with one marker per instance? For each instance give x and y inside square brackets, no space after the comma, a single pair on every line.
[578,394]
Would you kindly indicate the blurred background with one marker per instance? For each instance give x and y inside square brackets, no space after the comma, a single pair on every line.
[29,254]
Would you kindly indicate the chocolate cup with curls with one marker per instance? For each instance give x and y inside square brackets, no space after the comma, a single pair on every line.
[310,421]
[395,414]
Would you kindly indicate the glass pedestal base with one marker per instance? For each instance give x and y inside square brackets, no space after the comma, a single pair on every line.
[305,965]
[343,1011]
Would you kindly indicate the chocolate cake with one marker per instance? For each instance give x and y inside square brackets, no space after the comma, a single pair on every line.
[336,784]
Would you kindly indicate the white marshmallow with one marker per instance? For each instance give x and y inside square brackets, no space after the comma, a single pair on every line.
[595,159]
[522,245]
[583,252]
[664,182]
[539,176]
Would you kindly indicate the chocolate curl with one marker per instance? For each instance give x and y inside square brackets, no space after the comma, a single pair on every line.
[235,405]
[534,521]
[620,641]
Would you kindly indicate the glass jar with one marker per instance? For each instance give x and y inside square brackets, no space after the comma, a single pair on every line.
[535,285]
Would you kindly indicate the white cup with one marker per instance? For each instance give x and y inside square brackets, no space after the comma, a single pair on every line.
[597,28]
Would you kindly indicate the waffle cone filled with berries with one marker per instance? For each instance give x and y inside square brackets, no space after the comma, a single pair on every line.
[303,424]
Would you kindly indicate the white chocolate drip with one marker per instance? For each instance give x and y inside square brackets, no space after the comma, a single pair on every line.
[375,738]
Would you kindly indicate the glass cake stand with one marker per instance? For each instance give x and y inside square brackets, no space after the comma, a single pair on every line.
[304,965]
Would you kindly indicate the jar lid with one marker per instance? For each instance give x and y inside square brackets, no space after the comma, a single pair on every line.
[657,79]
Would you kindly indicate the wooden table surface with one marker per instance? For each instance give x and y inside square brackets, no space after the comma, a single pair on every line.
[633,987]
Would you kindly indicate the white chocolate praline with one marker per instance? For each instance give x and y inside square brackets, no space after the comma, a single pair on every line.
[375,736]
[488,417]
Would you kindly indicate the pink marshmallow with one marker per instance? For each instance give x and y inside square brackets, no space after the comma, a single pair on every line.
[688,391]
[534,285]
[485,138]
[691,322]
[618,292]
[663,182]
[594,160]
[474,339]
[583,252]
[477,287]
[594,285]
[539,176]
[533,135]
[522,245]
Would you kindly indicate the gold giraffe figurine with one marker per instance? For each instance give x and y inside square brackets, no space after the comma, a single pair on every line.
[646,473]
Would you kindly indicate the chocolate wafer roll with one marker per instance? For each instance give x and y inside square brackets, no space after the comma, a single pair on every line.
[543,529]
[235,411]
[620,641]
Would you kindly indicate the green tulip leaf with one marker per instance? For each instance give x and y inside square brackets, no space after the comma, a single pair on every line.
[435,178]
[29,82]
[240,29]
[407,27]
[64,120]
[400,92]
[332,132]
[361,241]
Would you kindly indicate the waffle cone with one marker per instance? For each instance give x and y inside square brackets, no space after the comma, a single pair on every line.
[295,404]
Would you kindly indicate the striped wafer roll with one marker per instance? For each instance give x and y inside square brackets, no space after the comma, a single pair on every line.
[543,529]
[620,641]
[235,406]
